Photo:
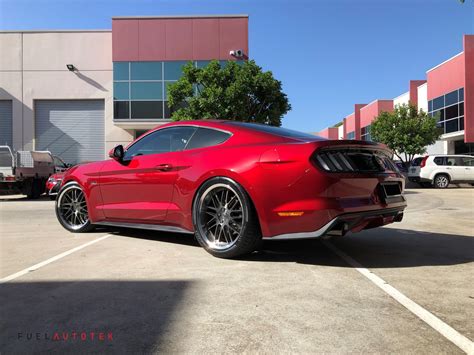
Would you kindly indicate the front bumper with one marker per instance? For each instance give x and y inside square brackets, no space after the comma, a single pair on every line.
[53,191]
[353,221]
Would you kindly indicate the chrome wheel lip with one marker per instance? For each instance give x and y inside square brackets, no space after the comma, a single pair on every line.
[77,201]
[228,234]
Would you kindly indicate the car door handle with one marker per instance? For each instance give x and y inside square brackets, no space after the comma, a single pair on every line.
[164,167]
[448,168]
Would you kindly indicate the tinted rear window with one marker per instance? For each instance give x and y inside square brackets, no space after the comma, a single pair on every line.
[205,137]
[416,162]
[277,131]
[439,161]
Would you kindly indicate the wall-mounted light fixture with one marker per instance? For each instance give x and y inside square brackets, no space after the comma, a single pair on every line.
[71,67]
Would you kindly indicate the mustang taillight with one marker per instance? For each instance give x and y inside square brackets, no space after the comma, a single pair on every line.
[352,160]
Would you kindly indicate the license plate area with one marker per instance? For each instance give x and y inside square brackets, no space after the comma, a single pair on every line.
[391,192]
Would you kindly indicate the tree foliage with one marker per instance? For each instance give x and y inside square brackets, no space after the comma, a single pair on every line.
[235,91]
[406,131]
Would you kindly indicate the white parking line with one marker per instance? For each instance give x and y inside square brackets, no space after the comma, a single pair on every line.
[50,260]
[437,324]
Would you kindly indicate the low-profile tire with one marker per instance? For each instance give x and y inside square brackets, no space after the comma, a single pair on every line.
[225,219]
[441,181]
[71,209]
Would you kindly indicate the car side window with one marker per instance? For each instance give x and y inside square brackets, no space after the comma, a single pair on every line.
[452,161]
[439,161]
[206,137]
[165,140]
[467,161]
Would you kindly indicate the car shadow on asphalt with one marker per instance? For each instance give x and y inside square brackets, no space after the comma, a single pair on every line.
[137,313]
[374,248]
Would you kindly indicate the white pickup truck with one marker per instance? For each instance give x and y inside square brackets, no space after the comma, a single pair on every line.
[25,172]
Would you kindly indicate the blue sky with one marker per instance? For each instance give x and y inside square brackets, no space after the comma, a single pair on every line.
[329,54]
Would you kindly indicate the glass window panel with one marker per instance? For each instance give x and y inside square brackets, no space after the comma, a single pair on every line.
[430,105]
[121,91]
[147,91]
[147,109]
[451,126]
[439,115]
[467,161]
[121,109]
[146,71]
[461,123]
[440,125]
[174,70]
[205,137]
[451,98]
[461,109]
[461,94]
[451,112]
[121,71]
[438,103]
[162,141]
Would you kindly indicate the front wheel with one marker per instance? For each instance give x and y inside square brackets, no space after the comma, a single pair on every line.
[71,209]
[225,220]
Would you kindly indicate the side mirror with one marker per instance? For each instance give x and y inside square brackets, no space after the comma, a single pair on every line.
[117,153]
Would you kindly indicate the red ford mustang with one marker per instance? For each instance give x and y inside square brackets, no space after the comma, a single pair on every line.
[233,184]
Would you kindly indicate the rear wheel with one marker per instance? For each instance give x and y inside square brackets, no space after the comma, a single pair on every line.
[71,209]
[441,181]
[225,220]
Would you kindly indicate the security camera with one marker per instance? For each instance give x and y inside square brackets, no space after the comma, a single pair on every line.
[238,53]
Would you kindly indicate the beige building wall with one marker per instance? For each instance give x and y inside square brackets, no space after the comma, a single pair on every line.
[33,67]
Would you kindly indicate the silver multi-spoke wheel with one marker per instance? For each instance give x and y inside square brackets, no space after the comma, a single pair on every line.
[72,207]
[442,181]
[220,217]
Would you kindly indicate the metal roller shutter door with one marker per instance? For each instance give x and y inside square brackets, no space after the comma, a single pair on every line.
[71,129]
[6,130]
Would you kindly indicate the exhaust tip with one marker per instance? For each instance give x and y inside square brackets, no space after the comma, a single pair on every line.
[339,230]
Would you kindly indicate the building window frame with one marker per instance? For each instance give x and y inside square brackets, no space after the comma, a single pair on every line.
[445,123]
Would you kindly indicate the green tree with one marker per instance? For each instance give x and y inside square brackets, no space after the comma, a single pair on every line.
[406,131]
[235,91]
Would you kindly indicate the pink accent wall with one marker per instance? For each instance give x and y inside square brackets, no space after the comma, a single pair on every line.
[350,124]
[372,110]
[162,39]
[414,90]
[447,77]
[469,88]
[125,40]
[329,133]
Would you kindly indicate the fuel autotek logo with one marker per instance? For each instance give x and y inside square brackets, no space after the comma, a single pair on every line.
[67,336]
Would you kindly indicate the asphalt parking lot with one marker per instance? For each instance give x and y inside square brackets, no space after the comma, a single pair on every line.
[148,292]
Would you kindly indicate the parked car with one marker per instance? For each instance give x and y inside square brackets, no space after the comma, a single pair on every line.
[441,170]
[60,165]
[53,184]
[233,184]
[24,172]
[401,166]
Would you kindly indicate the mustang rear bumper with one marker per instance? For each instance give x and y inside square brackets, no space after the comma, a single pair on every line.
[354,222]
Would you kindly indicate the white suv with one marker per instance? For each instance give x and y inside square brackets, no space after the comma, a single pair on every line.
[440,170]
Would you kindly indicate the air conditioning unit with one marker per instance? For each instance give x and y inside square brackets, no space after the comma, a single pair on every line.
[238,53]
